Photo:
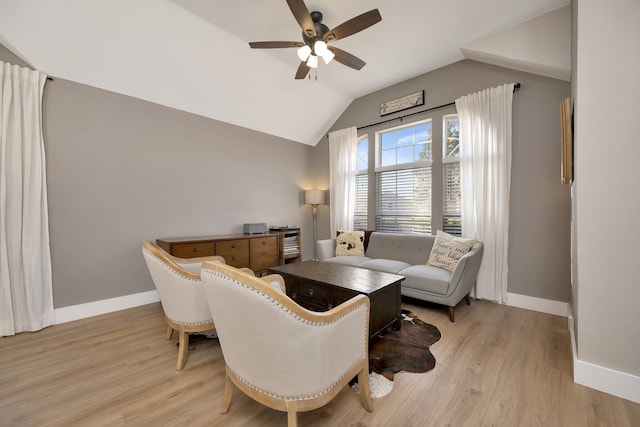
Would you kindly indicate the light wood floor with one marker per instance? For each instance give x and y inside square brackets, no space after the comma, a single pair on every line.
[496,366]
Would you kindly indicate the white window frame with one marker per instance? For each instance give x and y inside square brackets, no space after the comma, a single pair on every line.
[362,197]
[449,160]
[409,221]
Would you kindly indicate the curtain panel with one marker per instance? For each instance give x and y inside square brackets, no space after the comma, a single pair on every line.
[485,180]
[26,294]
[343,153]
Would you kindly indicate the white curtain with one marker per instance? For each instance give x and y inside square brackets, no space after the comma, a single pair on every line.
[26,295]
[343,153]
[485,180]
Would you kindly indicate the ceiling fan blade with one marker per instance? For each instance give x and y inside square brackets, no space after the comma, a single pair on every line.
[274,45]
[301,13]
[303,70]
[353,25]
[345,58]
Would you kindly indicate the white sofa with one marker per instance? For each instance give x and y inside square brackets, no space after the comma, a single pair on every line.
[407,255]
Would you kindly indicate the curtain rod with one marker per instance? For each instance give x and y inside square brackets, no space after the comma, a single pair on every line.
[515,87]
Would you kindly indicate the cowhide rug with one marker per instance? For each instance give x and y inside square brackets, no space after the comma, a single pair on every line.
[406,349]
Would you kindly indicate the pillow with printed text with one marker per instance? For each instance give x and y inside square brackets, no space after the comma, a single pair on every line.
[447,250]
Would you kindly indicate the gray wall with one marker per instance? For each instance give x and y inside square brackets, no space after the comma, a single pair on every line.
[539,236]
[121,170]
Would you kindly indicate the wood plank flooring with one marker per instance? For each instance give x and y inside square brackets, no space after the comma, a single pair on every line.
[495,366]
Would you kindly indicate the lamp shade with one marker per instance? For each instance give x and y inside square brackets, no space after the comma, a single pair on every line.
[315,197]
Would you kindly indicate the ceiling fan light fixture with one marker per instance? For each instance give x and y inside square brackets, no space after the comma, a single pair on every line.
[316,36]
[328,56]
[304,52]
[320,48]
[312,62]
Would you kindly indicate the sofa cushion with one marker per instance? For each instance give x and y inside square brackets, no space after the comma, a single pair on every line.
[353,260]
[448,249]
[410,248]
[384,265]
[350,243]
[426,278]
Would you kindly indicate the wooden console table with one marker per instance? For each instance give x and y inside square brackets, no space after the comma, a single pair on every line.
[258,252]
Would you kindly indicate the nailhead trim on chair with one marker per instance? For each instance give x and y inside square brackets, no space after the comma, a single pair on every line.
[169,268]
[300,319]
[296,397]
[204,322]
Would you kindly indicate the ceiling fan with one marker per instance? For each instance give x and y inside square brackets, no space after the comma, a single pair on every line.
[316,36]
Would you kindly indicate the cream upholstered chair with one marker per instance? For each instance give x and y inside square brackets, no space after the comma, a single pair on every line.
[180,289]
[177,281]
[280,354]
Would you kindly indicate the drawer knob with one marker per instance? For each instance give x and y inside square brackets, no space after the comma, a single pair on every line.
[194,250]
[233,246]
[233,258]
[264,253]
[311,292]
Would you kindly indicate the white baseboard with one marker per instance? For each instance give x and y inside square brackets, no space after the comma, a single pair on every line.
[541,305]
[95,308]
[598,377]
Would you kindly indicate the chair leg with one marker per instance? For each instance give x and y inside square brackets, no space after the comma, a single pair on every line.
[467,298]
[365,390]
[226,399]
[169,332]
[292,413]
[451,315]
[182,349]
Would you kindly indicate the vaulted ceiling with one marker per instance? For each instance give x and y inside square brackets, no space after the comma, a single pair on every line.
[193,55]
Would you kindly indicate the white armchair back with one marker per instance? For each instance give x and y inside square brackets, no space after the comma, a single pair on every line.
[279,353]
[183,301]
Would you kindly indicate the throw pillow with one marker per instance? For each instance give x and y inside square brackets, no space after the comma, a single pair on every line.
[350,243]
[447,250]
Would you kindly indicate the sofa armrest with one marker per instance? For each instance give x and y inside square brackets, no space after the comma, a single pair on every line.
[466,271]
[326,249]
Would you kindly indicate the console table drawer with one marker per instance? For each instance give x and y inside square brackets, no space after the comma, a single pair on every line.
[264,246]
[234,252]
[193,250]
[263,253]
[257,252]
[263,262]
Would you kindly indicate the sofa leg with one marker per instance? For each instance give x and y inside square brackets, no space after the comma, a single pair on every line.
[451,315]
[467,298]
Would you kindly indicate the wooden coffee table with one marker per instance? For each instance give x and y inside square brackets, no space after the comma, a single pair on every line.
[320,286]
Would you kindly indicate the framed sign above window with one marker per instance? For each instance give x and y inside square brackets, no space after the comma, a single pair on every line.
[402,103]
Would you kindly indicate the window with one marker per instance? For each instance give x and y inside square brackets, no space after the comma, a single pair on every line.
[362,185]
[452,203]
[403,179]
